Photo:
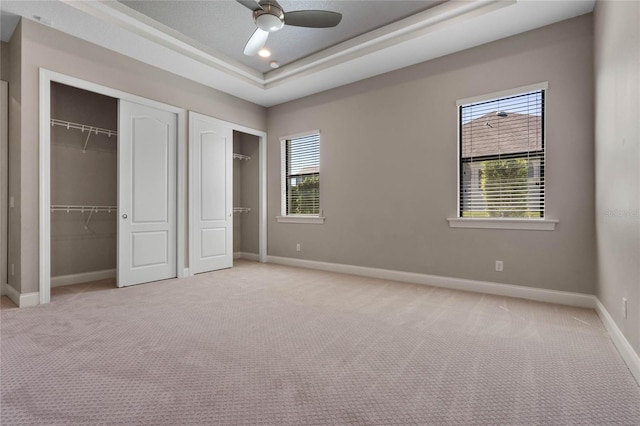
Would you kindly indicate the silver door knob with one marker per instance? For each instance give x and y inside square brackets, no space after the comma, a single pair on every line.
[124,216]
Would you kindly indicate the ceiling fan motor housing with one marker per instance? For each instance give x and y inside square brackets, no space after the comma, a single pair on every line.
[270,18]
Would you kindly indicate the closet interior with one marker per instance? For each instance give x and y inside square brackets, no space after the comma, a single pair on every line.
[84,144]
[246,199]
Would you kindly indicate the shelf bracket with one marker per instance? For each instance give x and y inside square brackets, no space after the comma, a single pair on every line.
[84,150]
[86,224]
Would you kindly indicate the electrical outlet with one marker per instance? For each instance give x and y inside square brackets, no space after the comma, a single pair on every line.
[499,266]
[13,270]
[298,247]
[624,308]
[12,202]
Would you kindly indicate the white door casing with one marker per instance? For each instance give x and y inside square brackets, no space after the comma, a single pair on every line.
[211,194]
[147,206]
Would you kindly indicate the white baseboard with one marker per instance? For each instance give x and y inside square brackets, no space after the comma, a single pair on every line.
[23,300]
[529,293]
[84,277]
[627,352]
[29,299]
[622,344]
[247,256]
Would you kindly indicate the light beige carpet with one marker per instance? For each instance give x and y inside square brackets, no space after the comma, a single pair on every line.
[273,345]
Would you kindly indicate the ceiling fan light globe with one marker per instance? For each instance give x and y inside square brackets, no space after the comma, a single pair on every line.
[269,23]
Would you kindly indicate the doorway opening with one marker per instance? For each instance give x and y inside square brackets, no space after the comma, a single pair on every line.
[84,189]
[246,196]
[218,197]
[102,151]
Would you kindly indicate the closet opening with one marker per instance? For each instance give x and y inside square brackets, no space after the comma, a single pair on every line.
[227,194]
[246,196]
[84,190]
[118,175]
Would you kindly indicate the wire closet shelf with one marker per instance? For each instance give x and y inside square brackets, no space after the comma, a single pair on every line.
[91,130]
[84,209]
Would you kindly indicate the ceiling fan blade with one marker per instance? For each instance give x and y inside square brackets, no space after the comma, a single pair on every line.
[256,42]
[312,18]
[250,4]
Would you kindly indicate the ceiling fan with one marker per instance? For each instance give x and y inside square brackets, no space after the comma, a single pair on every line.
[270,17]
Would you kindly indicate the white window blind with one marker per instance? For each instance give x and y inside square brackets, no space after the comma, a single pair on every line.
[301,175]
[502,157]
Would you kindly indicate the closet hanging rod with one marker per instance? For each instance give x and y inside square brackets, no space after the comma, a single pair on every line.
[83,127]
[82,209]
[241,209]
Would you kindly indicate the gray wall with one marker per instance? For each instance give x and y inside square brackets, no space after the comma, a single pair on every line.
[83,178]
[617,141]
[246,193]
[250,186]
[4,180]
[388,166]
[237,195]
[46,47]
[4,61]
[5,72]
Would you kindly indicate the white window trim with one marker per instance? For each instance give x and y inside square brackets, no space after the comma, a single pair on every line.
[318,220]
[544,224]
[502,94]
[503,223]
[284,218]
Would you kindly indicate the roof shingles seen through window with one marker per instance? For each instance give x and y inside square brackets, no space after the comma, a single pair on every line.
[491,134]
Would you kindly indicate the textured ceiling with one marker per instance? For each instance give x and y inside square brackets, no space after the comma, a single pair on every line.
[225,26]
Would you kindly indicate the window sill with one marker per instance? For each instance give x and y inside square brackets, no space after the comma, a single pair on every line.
[319,220]
[503,223]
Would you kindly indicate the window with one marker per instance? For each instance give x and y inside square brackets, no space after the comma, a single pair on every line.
[301,176]
[502,156]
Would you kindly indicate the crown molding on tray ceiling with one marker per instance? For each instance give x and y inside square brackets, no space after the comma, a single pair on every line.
[124,17]
[444,29]
[417,25]
[401,31]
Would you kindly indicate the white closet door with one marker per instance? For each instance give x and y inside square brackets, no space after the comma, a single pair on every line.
[211,194]
[146,194]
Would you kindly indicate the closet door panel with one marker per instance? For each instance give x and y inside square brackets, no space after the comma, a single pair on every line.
[151,187]
[213,176]
[213,242]
[211,204]
[149,249]
[147,231]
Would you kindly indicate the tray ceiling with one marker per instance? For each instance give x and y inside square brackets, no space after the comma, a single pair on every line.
[225,26]
[203,40]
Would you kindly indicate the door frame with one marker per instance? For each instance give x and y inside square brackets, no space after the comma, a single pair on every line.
[262,184]
[46,78]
